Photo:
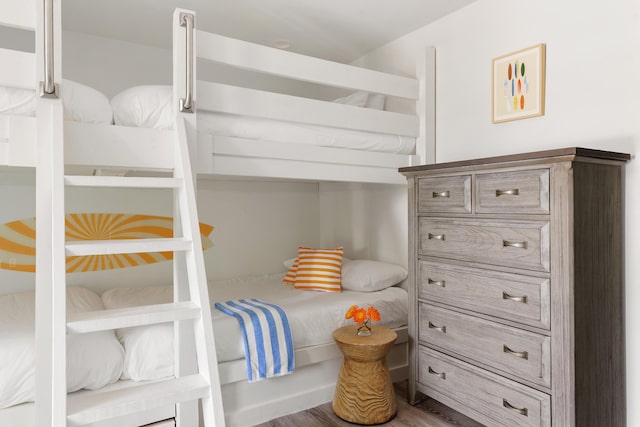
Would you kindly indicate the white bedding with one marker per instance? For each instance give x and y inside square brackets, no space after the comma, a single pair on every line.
[150,107]
[93,360]
[81,103]
[275,130]
[312,315]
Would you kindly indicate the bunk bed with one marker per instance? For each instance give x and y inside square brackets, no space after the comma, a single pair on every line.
[34,138]
[219,151]
[238,128]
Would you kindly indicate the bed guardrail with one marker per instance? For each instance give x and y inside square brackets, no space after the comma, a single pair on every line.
[277,62]
[18,14]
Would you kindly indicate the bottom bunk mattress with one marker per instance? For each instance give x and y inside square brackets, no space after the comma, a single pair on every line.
[313,315]
[148,350]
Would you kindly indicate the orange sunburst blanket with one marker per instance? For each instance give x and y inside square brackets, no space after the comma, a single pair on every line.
[18,240]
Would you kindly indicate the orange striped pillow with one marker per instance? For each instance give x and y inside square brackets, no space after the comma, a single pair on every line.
[319,269]
[290,277]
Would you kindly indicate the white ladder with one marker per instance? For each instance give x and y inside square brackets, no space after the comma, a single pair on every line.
[83,409]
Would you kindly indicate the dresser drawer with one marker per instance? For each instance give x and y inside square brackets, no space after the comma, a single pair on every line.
[508,349]
[513,297]
[513,192]
[445,194]
[487,397]
[521,244]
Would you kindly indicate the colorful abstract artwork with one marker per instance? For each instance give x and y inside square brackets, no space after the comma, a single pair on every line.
[18,240]
[518,84]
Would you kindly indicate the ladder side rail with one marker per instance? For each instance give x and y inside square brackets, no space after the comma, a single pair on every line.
[51,387]
[51,378]
[208,365]
[184,338]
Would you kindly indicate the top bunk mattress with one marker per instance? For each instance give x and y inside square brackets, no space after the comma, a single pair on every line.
[313,316]
[295,133]
[151,107]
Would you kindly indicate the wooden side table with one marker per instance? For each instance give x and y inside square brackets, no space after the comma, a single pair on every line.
[364,392]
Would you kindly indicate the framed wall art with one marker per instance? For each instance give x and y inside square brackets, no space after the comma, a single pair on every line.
[518,81]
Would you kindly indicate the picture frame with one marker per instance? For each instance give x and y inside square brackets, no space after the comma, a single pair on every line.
[518,84]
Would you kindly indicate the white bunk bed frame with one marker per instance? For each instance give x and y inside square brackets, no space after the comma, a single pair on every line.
[102,146]
[228,156]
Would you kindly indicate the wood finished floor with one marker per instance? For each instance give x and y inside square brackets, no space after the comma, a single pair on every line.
[428,413]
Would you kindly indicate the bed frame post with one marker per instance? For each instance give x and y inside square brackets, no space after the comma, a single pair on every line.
[185,348]
[426,106]
[51,321]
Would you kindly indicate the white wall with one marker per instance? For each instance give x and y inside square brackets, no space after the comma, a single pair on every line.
[592,100]
[258,224]
[113,65]
[369,220]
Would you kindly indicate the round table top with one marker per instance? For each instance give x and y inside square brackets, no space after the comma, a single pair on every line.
[380,335]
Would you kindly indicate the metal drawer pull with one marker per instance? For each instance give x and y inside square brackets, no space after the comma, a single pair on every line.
[521,411]
[509,244]
[512,298]
[520,354]
[440,283]
[442,329]
[436,194]
[441,375]
[513,192]
[436,236]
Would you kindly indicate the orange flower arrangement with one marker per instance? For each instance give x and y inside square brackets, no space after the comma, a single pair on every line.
[364,317]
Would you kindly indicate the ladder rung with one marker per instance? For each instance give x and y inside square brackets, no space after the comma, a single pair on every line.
[122,181]
[102,320]
[126,246]
[85,408]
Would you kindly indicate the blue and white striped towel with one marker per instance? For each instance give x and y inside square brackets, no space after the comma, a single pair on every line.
[266,334]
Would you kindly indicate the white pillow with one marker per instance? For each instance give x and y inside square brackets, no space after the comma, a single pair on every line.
[93,360]
[148,349]
[358,99]
[81,103]
[367,275]
[84,104]
[144,106]
[375,101]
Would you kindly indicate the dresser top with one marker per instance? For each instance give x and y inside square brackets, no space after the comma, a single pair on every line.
[561,152]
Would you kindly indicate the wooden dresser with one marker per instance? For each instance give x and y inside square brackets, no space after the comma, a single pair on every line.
[516,287]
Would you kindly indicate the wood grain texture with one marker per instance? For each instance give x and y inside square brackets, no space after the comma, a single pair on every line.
[364,392]
[513,192]
[559,155]
[481,394]
[412,278]
[487,342]
[599,296]
[485,241]
[445,194]
[562,316]
[581,283]
[486,291]
[427,413]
